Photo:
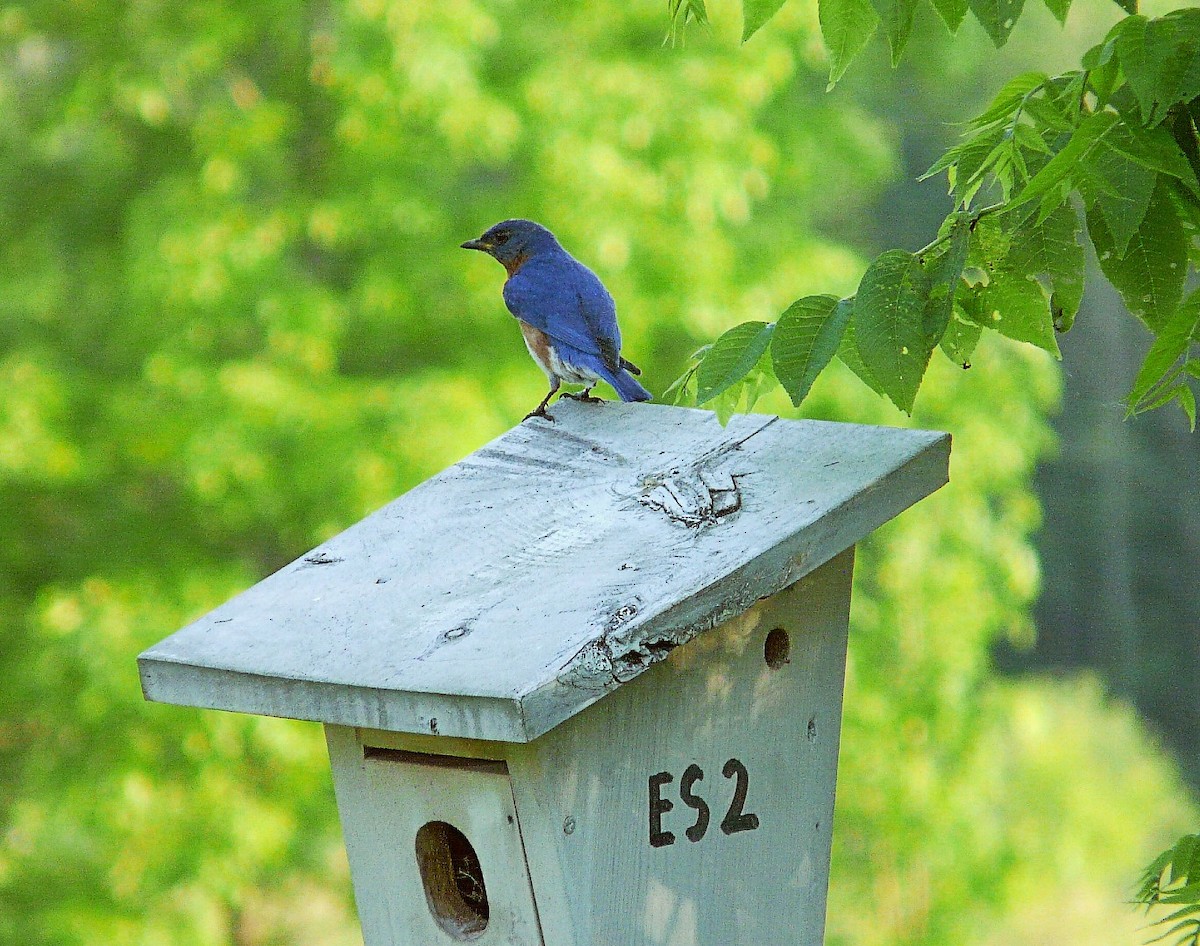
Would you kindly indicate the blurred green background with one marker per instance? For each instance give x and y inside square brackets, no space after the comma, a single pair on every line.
[234,319]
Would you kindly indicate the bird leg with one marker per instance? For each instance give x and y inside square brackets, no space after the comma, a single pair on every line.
[540,410]
[585,396]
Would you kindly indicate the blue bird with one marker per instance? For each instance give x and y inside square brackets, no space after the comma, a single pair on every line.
[567,317]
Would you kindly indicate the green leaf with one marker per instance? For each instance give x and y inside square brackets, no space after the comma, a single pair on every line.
[1159,59]
[1189,843]
[1189,893]
[846,25]
[1017,307]
[897,19]
[688,10]
[975,160]
[1190,910]
[889,312]
[1187,137]
[744,393]
[683,12]
[1059,8]
[1124,196]
[1009,98]
[755,14]
[1171,345]
[951,12]
[726,404]
[1141,71]
[1031,139]
[1129,6]
[1153,148]
[1161,399]
[1059,169]
[1187,934]
[998,17]
[959,341]
[1105,80]
[681,389]
[1186,26]
[989,242]
[848,354]
[969,161]
[806,338]
[1049,252]
[1150,274]
[954,235]
[1187,401]
[1099,55]
[1035,274]
[731,358]
[945,274]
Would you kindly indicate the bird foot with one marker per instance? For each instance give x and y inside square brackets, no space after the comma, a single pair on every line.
[584,398]
[540,412]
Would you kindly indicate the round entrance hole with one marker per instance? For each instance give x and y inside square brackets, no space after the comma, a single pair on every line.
[777,648]
[453,879]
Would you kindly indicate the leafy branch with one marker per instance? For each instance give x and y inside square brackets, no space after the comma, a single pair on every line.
[1109,150]
[1173,880]
[681,13]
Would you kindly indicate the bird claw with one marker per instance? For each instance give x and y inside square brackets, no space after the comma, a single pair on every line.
[543,413]
[584,398]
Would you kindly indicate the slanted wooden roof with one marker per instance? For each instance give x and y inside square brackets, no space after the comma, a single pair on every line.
[562,559]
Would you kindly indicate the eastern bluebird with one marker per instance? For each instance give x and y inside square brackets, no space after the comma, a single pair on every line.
[567,316]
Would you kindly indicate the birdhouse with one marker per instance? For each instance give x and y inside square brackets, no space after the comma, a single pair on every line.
[584,687]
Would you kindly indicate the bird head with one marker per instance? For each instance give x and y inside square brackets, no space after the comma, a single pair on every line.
[512,242]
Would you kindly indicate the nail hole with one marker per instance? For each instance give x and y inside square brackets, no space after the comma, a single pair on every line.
[777,648]
[453,879]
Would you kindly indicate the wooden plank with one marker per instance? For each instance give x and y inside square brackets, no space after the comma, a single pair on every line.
[395,808]
[755,872]
[546,569]
[583,790]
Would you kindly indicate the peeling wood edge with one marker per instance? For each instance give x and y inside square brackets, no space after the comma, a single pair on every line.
[553,700]
[470,717]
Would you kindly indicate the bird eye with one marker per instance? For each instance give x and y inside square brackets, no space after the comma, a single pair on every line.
[502,237]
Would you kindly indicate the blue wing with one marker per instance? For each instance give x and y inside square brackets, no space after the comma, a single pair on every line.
[567,301]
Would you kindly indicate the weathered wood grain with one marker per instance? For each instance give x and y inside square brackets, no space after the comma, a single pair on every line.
[582,793]
[523,583]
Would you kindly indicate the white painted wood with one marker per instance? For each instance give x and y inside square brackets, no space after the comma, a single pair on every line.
[711,700]
[384,801]
[546,569]
[582,790]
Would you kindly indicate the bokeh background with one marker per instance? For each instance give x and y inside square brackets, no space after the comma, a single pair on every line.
[234,319]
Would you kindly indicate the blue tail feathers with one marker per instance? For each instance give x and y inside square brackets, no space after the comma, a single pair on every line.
[621,380]
[627,387]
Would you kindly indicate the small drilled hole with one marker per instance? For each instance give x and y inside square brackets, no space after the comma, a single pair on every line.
[777,648]
[453,880]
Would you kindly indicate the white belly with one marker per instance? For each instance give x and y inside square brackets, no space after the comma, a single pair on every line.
[542,349]
[570,373]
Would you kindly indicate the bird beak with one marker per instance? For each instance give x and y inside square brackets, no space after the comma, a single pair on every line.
[477,245]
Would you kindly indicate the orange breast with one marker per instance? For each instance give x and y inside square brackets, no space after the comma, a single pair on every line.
[538,343]
[512,265]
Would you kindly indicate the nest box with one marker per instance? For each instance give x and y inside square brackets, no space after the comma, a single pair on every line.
[584,687]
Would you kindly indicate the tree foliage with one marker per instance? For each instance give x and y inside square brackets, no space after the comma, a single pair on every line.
[1172,880]
[1110,149]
